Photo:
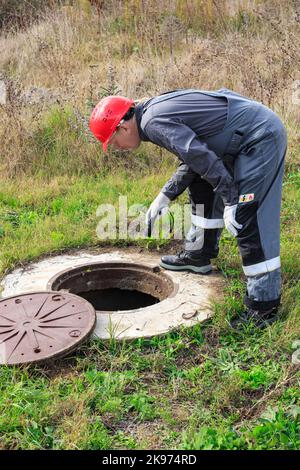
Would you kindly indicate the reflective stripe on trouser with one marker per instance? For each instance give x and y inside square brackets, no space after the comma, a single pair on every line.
[207,213]
[258,170]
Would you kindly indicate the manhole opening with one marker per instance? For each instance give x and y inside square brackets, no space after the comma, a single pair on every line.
[115,286]
[118,299]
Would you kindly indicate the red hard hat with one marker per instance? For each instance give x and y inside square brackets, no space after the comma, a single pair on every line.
[106,116]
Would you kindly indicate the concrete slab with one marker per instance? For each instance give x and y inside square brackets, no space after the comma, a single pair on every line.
[191,304]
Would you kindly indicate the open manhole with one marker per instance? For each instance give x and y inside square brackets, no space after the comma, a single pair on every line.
[132,296]
[115,286]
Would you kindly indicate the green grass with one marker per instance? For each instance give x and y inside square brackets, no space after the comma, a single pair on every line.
[60,214]
[205,387]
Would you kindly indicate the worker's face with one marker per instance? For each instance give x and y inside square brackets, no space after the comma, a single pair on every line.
[126,137]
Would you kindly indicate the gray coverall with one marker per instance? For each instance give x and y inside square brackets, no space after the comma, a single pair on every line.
[232,151]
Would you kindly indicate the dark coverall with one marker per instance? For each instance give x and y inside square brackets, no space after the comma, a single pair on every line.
[232,151]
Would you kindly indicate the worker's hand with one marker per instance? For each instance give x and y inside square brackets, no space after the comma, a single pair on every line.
[157,209]
[229,220]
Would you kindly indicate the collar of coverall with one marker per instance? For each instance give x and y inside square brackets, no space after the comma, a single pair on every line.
[138,116]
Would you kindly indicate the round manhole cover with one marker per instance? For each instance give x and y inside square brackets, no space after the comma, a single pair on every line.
[41,325]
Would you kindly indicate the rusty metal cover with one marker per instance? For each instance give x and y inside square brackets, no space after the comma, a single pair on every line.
[39,326]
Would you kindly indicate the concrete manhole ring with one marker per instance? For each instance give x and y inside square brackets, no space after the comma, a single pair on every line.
[168,299]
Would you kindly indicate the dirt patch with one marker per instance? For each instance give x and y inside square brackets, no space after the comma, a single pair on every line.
[148,434]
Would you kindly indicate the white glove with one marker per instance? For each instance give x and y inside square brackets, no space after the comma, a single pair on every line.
[156,209]
[229,220]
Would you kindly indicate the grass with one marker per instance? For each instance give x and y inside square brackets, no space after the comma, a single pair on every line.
[205,387]
[61,214]
[141,395]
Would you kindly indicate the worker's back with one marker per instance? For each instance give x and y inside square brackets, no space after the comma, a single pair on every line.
[216,117]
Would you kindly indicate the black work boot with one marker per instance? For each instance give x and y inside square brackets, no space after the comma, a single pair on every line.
[260,318]
[187,261]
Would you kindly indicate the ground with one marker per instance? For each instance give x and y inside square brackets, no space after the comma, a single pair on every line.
[205,387]
[195,388]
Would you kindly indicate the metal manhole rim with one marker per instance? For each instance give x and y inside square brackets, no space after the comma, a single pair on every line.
[106,265]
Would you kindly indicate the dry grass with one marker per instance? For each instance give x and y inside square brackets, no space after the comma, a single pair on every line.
[75,54]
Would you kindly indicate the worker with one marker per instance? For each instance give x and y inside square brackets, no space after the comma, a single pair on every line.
[231,151]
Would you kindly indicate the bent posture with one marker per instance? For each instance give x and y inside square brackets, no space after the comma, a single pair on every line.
[231,151]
